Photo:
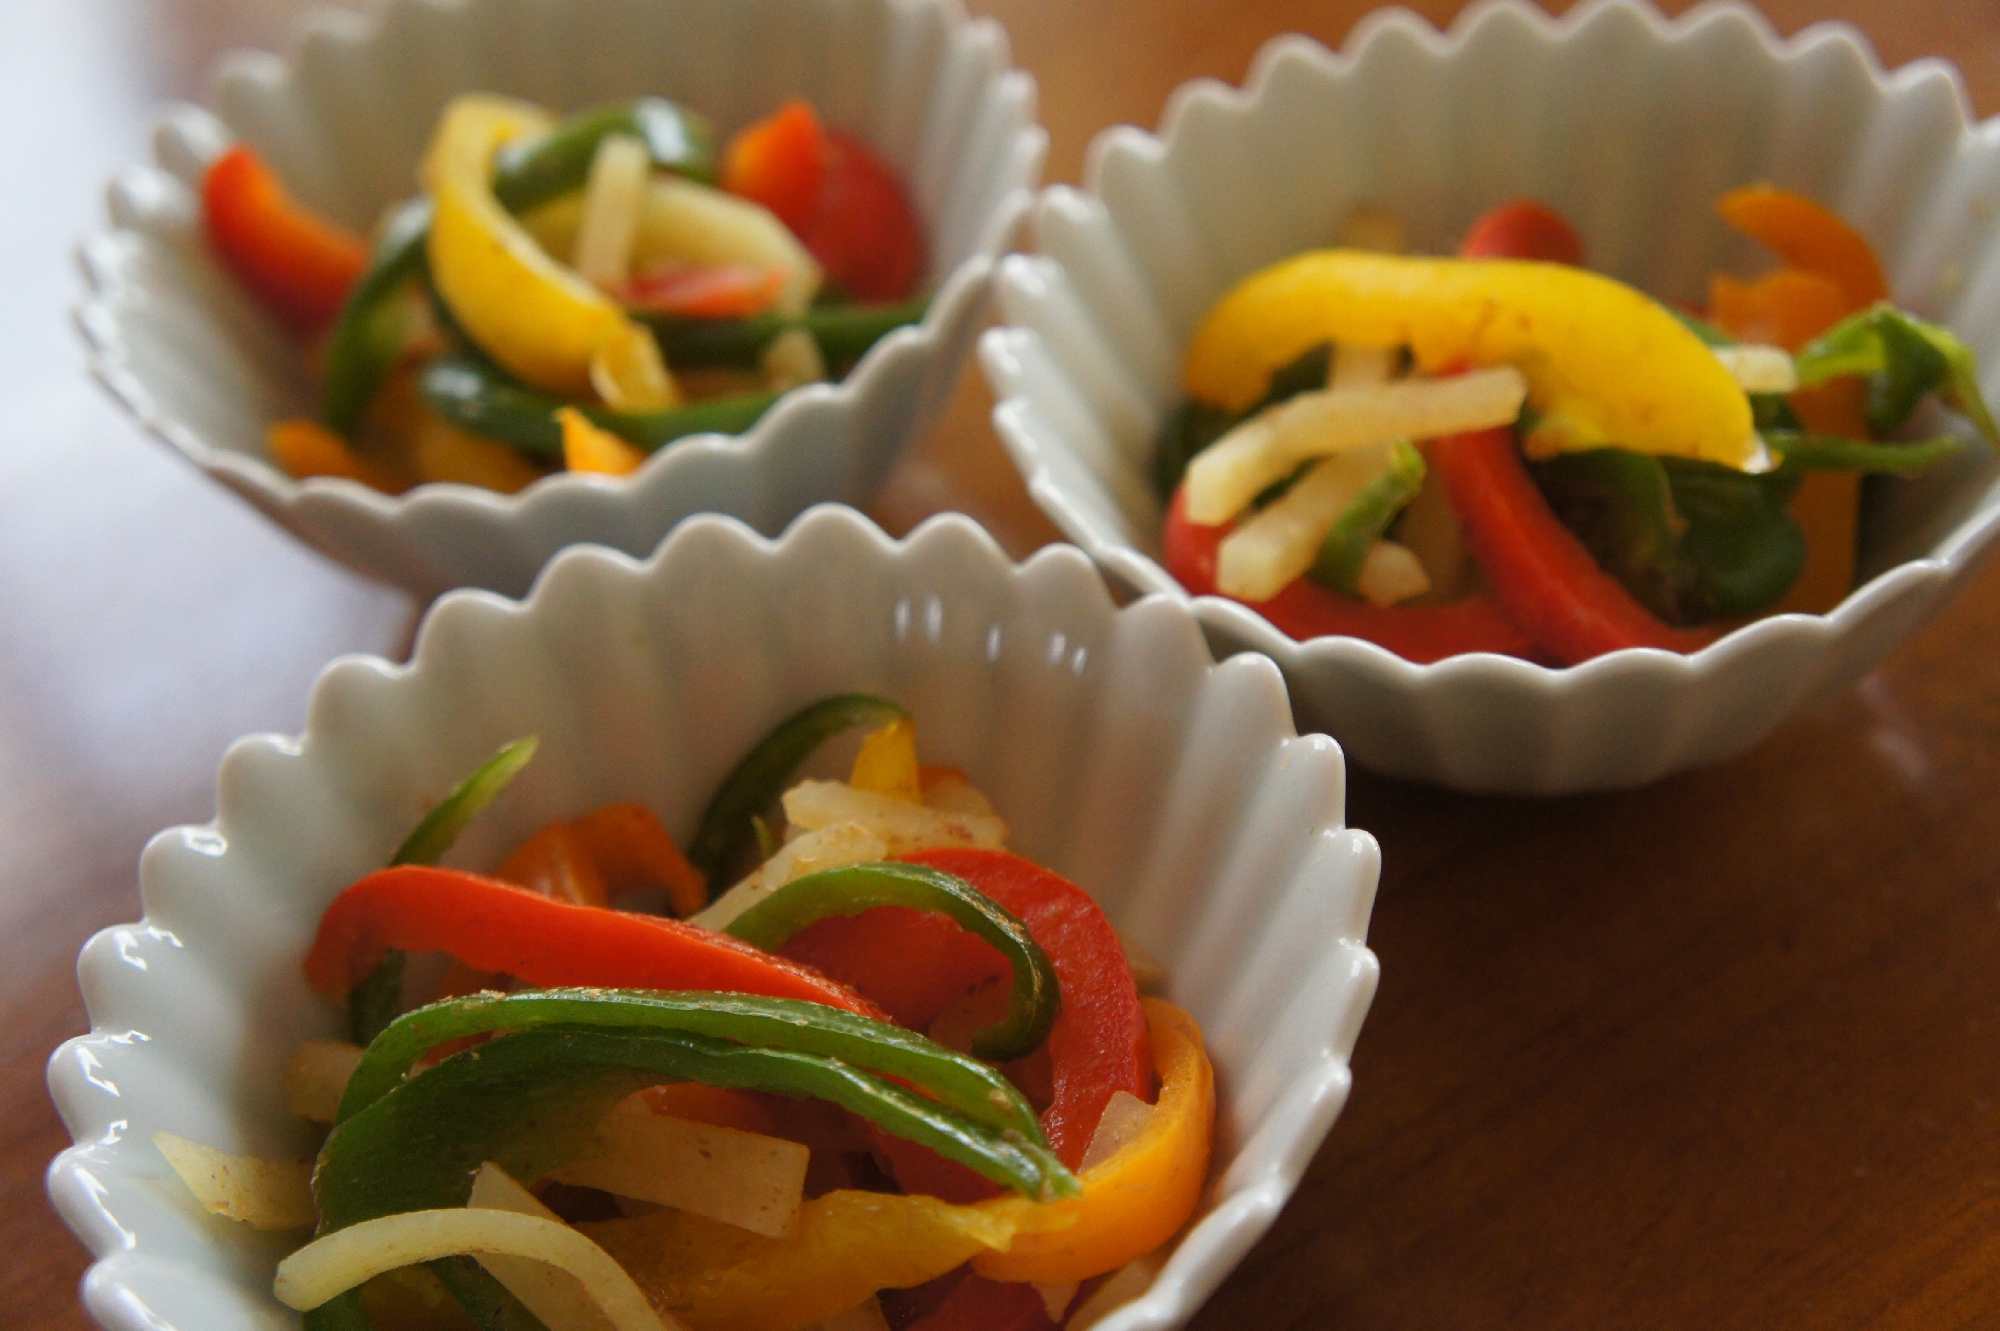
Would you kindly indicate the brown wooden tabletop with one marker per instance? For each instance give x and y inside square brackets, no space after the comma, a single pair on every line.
[1722,1052]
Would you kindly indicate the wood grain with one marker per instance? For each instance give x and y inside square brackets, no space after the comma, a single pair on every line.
[1719,1052]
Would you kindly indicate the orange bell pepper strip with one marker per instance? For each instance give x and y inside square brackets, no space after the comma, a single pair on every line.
[495,926]
[635,853]
[298,263]
[1540,571]
[305,448]
[1810,238]
[1304,609]
[554,864]
[780,162]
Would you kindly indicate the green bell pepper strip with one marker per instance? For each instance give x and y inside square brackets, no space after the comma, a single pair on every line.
[755,782]
[1812,452]
[374,322]
[530,1100]
[1345,548]
[844,333]
[1905,357]
[368,338]
[377,999]
[852,889]
[952,1079]
[477,396]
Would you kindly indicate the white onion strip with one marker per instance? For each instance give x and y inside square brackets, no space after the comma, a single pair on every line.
[340,1261]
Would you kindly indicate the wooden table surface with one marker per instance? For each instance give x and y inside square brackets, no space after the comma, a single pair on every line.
[1723,1052]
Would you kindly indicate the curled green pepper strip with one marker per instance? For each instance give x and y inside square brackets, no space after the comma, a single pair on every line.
[851,889]
[1345,549]
[369,336]
[1812,452]
[529,1101]
[376,1000]
[844,333]
[757,781]
[476,395]
[955,1081]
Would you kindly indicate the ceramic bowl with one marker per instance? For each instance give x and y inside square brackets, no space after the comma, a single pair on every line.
[344,119]
[1172,788]
[1628,123]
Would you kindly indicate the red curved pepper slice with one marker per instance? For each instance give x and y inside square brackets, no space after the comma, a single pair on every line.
[298,263]
[1522,229]
[1543,575]
[914,964]
[495,926]
[1304,609]
[865,234]
[780,162]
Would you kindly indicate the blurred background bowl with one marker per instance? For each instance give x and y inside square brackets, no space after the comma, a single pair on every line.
[1171,788]
[343,120]
[1629,124]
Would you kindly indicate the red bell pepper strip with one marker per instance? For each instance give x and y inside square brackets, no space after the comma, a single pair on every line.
[780,162]
[1545,578]
[298,263]
[1522,229]
[1304,609]
[865,233]
[978,1304]
[705,291]
[495,926]
[916,963]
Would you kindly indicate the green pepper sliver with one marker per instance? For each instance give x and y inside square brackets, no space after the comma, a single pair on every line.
[477,396]
[1812,452]
[376,1000]
[853,888]
[368,338]
[844,333]
[755,783]
[952,1079]
[1345,549]
[530,1100]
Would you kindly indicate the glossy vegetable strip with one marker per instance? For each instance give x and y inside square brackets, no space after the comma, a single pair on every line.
[1345,549]
[1816,452]
[1522,229]
[844,333]
[530,1100]
[954,1080]
[494,926]
[1883,340]
[755,782]
[376,1000]
[1304,610]
[780,162]
[1808,237]
[369,336]
[475,395]
[298,263]
[865,232]
[1036,995]
[1541,573]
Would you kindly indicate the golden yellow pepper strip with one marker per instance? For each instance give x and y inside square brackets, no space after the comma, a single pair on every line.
[1605,364]
[845,1245]
[1140,1197]
[534,316]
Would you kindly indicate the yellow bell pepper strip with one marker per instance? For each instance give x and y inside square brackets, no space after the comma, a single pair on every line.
[1605,364]
[588,447]
[887,763]
[537,318]
[1140,1197]
[847,1245]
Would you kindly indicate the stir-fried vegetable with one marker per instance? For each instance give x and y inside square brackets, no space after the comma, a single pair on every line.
[1666,472]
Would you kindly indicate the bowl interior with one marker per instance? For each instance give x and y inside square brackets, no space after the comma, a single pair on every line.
[1171,788]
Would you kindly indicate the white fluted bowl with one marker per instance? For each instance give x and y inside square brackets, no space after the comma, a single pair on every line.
[1630,125]
[202,367]
[1172,788]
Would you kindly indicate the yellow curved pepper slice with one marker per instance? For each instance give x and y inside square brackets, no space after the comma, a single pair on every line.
[530,313]
[846,1245]
[1605,364]
[1140,1197]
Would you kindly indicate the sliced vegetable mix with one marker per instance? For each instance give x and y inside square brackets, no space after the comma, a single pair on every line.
[1657,477]
[873,1074]
[592,263]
